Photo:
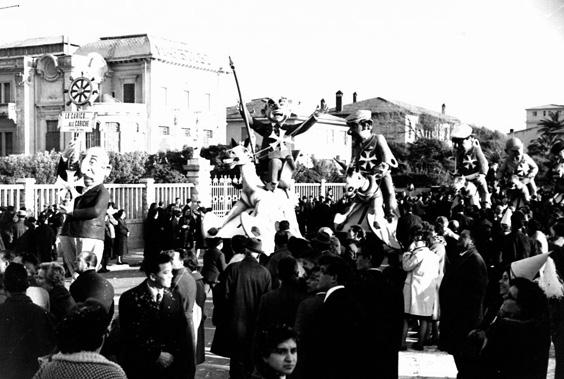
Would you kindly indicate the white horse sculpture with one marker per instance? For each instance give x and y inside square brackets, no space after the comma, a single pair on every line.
[257,211]
[367,208]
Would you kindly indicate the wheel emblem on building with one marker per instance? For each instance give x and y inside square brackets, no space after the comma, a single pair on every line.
[81,90]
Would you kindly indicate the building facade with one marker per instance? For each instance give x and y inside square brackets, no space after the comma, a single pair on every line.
[148,94]
[533,116]
[398,121]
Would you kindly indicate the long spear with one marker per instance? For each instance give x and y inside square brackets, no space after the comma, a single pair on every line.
[244,112]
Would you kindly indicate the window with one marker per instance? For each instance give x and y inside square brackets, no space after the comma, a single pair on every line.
[129,93]
[93,137]
[345,135]
[331,136]
[543,113]
[5,93]
[244,133]
[207,98]
[111,136]
[187,99]
[53,136]
[187,132]
[165,130]
[8,143]
[164,96]
[534,113]
[208,136]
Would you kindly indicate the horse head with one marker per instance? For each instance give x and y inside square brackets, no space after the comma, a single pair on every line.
[458,183]
[354,182]
[239,154]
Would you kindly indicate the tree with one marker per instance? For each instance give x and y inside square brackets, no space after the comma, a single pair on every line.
[551,129]
[492,143]
[321,169]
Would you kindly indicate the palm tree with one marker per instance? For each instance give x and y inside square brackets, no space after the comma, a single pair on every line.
[551,130]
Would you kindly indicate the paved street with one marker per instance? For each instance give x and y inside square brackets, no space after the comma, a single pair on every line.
[431,363]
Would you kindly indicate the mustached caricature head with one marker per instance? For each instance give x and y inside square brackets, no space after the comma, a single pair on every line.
[278,111]
[95,166]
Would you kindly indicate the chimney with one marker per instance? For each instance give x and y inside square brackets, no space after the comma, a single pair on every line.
[511,132]
[339,101]
[354,97]
[443,108]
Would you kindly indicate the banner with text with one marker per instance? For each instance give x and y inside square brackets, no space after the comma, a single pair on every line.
[77,121]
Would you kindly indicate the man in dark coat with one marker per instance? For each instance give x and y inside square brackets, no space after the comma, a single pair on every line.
[214,260]
[461,297]
[184,285]
[380,293]
[517,245]
[26,331]
[279,306]
[90,284]
[281,252]
[245,282]
[44,240]
[338,328]
[407,221]
[153,327]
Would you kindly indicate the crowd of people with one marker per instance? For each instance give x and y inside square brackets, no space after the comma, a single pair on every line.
[477,273]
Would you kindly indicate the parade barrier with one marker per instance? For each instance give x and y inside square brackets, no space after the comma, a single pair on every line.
[135,199]
[225,192]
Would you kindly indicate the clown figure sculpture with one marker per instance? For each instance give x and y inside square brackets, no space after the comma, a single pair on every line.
[519,169]
[83,228]
[373,157]
[471,162]
[278,136]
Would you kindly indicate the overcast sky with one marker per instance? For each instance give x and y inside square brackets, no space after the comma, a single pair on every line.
[487,60]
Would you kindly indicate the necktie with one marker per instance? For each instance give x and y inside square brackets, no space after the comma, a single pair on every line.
[159,298]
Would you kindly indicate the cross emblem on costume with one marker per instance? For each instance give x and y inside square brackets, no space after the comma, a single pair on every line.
[279,140]
[368,160]
[521,172]
[468,162]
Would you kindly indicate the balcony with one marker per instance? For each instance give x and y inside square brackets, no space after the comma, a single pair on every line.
[8,110]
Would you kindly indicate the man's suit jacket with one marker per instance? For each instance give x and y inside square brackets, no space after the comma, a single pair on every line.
[337,333]
[90,284]
[147,329]
[87,218]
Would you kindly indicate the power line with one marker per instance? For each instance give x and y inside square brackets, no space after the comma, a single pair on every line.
[10,6]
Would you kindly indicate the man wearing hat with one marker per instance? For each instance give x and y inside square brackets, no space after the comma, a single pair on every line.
[519,169]
[372,155]
[471,162]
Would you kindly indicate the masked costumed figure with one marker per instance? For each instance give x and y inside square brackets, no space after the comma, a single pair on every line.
[372,155]
[518,171]
[277,137]
[470,160]
[83,228]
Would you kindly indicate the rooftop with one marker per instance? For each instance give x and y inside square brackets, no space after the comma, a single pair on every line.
[381,105]
[137,46]
[38,41]
[546,107]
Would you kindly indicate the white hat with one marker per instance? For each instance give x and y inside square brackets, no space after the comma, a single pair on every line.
[529,267]
[360,115]
[461,131]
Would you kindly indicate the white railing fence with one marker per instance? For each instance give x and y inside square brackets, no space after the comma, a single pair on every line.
[225,192]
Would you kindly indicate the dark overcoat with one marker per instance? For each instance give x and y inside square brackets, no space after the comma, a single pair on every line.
[461,297]
[147,329]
